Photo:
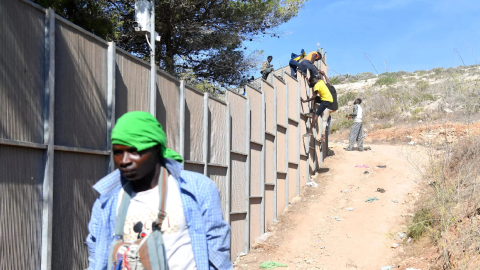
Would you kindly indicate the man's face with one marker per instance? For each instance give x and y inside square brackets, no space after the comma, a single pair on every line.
[312,82]
[134,165]
[355,102]
[269,59]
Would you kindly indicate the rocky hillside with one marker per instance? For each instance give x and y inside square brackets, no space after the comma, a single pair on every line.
[398,98]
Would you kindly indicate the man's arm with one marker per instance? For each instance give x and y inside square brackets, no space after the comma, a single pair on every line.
[310,99]
[327,81]
[218,231]
[355,111]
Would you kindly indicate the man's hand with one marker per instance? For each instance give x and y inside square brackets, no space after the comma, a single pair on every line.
[303,100]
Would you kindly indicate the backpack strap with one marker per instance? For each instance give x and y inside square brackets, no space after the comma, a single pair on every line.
[162,192]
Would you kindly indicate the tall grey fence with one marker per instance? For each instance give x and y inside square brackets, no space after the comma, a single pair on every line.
[61,90]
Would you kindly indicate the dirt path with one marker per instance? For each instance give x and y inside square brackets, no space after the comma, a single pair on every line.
[308,236]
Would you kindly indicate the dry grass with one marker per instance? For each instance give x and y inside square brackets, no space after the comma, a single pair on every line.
[450,213]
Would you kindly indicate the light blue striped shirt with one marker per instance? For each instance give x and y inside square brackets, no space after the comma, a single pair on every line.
[209,233]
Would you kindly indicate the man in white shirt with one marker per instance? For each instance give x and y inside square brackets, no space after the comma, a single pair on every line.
[356,133]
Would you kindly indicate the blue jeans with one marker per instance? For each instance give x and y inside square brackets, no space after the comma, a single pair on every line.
[293,67]
[304,65]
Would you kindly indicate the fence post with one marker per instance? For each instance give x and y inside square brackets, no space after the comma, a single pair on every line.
[110,99]
[287,181]
[247,176]
[229,163]
[262,166]
[298,136]
[275,169]
[205,132]
[49,111]
[181,117]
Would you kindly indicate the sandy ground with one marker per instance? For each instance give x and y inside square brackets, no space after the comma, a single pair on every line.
[308,236]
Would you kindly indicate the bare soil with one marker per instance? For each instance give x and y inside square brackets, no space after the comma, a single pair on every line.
[316,232]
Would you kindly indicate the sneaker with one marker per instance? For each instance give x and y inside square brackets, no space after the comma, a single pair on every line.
[360,150]
[348,149]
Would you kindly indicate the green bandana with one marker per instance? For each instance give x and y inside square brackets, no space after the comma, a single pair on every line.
[142,131]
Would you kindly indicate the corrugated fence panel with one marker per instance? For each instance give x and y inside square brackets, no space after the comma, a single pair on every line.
[269,214]
[303,140]
[281,149]
[255,212]
[280,193]
[256,114]
[238,105]
[269,110]
[292,181]
[219,177]
[193,125]
[303,171]
[131,82]
[255,170]
[304,89]
[270,170]
[80,89]
[193,167]
[237,223]
[21,178]
[217,131]
[292,141]
[281,110]
[168,110]
[238,183]
[293,98]
[22,86]
[73,198]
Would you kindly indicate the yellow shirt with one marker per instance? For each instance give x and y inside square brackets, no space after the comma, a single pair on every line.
[322,91]
[312,56]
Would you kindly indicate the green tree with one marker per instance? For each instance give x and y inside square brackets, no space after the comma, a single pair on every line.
[202,36]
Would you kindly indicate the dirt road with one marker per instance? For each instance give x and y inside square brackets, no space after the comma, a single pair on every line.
[318,232]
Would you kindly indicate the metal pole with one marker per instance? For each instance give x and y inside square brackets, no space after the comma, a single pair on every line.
[153,66]
[247,176]
[298,136]
[262,166]
[49,113]
[275,171]
[181,121]
[287,181]
[229,163]
[205,133]
[110,99]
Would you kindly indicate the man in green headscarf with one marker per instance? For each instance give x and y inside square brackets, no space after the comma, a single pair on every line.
[194,233]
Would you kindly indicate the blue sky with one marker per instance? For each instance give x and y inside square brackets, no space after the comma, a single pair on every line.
[408,34]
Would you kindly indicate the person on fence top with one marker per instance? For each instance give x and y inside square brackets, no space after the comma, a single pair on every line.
[295,61]
[326,100]
[307,64]
[149,179]
[266,68]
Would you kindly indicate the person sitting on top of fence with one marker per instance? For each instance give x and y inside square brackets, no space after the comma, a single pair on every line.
[307,64]
[326,100]
[266,68]
[294,62]
[189,233]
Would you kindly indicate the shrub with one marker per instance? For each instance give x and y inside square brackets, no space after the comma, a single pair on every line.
[341,124]
[335,80]
[387,79]
[422,85]
[417,111]
[422,220]
[345,98]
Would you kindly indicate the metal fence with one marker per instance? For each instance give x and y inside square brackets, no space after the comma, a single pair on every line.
[61,90]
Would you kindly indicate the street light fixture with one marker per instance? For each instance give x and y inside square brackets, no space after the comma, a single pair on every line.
[145,23]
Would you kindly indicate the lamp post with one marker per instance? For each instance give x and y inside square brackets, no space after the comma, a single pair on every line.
[145,23]
[153,67]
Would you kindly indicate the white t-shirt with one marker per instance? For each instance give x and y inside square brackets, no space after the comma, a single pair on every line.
[358,118]
[144,208]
